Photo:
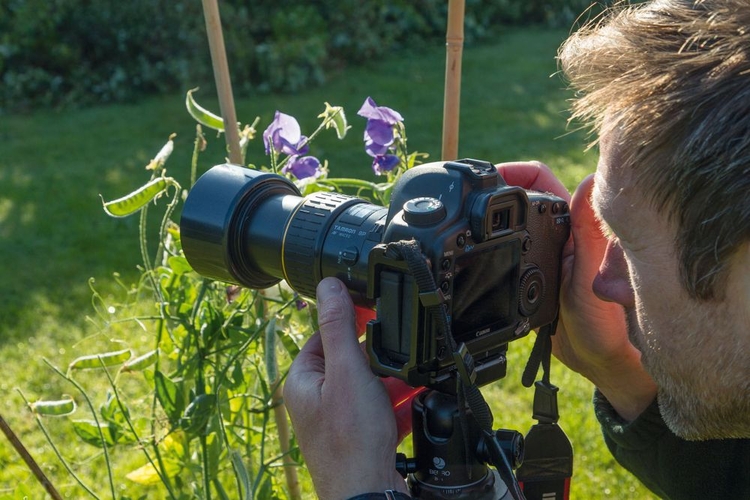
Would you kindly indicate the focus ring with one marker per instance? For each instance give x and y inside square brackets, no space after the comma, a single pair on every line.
[304,237]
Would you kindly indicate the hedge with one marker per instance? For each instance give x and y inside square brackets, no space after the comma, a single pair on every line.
[57,53]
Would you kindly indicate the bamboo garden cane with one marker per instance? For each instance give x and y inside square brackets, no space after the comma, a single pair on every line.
[221,76]
[231,129]
[454,41]
[451,112]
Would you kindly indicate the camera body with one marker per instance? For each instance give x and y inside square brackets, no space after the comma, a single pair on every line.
[493,250]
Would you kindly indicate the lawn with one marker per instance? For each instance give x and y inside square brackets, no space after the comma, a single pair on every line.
[55,236]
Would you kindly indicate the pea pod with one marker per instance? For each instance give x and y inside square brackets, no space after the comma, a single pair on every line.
[131,203]
[57,408]
[202,115]
[100,360]
[141,362]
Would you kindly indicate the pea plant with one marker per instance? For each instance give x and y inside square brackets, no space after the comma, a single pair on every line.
[201,405]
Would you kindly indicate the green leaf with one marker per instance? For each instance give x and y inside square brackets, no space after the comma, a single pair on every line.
[112,413]
[334,117]
[147,474]
[179,264]
[88,430]
[198,413]
[214,448]
[202,115]
[241,472]
[170,397]
[288,342]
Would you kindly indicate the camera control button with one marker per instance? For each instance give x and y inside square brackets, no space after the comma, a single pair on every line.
[526,245]
[424,211]
[531,291]
[349,256]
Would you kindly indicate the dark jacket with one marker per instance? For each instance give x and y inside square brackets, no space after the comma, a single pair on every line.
[671,467]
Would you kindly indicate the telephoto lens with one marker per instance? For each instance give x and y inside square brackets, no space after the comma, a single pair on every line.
[254,229]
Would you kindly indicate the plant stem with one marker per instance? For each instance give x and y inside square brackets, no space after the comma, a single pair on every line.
[200,143]
[96,420]
[132,429]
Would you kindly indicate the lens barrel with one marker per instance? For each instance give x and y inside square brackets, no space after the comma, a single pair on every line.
[253,228]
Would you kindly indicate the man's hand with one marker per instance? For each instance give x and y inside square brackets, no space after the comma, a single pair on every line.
[340,410]
[592,336]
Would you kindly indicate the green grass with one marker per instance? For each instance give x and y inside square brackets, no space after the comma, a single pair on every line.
[55,236]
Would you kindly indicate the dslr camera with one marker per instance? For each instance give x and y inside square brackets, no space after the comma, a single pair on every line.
[493,250]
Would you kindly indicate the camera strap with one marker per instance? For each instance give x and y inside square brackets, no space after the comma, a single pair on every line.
[548,455]
[431,298]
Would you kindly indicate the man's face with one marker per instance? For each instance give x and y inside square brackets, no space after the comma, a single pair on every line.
[695,351]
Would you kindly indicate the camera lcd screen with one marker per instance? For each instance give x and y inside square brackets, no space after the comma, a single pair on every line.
[485,290]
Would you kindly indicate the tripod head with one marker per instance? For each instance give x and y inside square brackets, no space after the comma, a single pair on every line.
[452,452]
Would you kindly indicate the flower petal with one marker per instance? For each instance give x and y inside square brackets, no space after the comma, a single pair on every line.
[373,148]
[380,132]
[303,167]
[384,163]
[283,135]
[372,111]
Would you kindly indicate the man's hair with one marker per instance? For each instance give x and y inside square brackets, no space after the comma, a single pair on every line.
[672,79]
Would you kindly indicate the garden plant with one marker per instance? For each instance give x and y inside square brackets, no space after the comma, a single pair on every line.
[216,427]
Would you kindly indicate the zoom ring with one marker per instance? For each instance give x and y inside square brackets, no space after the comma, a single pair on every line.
[304,237]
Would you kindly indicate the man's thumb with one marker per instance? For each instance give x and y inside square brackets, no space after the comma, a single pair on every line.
[336,318]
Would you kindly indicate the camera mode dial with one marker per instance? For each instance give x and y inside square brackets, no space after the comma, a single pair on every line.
[424,211]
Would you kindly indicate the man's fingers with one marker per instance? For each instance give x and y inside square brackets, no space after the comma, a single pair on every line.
[336,319]
[532,175]
[305,377]
[590,242]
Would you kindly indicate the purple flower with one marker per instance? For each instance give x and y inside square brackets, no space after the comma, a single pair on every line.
[283,135]
[372,111]
[384,163]
[379,130]
[378,137]
[302,167]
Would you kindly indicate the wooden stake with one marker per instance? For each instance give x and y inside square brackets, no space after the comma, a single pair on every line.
[282,426]
[454,43]
[223,82]
[30,462]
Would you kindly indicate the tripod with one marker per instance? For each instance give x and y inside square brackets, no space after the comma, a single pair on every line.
[452,452]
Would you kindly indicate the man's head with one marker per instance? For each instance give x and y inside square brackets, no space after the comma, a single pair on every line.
[666,85]
[672,77]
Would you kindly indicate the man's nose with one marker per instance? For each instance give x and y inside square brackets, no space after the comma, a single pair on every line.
[612,282]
